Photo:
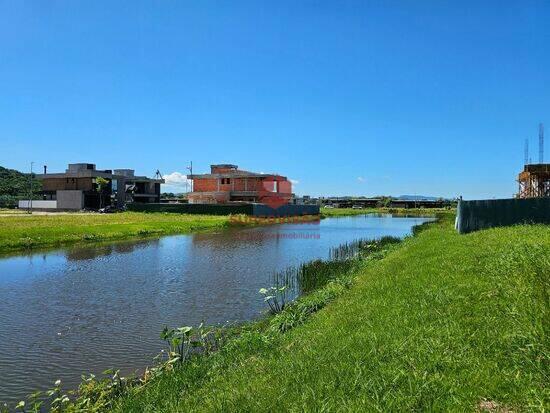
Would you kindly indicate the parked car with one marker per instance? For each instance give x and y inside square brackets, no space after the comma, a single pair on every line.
[329,206]
[109,209]
[357,207]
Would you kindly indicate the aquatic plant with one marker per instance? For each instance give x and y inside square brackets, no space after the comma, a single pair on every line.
[179,342]
[275,297]
[350,250]
[315,274]
[54,398]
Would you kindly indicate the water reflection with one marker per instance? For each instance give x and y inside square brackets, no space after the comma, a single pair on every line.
[87,253]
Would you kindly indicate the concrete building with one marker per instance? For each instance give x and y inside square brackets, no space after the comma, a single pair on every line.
[77,188]
[227,184]
[139,189]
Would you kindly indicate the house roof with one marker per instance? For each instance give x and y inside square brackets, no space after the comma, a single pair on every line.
[94,174]
[237,174]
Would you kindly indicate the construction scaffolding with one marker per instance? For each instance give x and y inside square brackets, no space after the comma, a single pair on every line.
[534,181]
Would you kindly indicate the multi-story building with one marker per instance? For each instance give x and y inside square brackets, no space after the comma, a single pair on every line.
[78,187]
[227,184]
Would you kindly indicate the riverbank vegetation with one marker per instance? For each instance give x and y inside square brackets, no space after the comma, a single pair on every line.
[20,232]
[444,322]
[339,212]
[440,321]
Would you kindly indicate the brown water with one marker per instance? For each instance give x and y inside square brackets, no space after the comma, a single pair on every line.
[83,310]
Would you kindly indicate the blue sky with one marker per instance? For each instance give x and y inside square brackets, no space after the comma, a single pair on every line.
[350,97]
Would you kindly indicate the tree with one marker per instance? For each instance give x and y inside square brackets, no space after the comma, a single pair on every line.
[102,185]
[384,202]
[14,186]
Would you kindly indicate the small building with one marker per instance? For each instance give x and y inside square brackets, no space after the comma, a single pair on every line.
[534,181]
[77,188]
[227,184]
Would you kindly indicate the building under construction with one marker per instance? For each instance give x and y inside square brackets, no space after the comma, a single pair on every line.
[534,180]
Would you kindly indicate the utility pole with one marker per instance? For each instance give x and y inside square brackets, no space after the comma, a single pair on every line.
[30,191]
[541,143]
[190,168]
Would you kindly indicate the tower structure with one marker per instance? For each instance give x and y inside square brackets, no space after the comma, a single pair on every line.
[541,143]
[534,180]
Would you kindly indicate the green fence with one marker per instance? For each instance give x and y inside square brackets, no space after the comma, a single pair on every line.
[475,215]
[258,210]
[206,209]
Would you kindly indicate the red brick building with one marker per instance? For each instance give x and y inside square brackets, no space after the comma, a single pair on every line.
[226,183]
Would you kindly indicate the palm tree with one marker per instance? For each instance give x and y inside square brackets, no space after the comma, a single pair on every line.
[102,184]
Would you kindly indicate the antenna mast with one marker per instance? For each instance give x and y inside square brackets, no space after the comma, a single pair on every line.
[526,153]
[541,143]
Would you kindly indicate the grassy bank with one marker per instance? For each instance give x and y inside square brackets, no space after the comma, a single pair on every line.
[19,232]
[443,323]
[338,212]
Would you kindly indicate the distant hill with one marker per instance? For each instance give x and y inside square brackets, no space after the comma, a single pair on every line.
[418,197]
[14,185]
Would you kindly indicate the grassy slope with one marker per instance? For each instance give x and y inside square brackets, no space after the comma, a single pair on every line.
[20,232]
[442,323]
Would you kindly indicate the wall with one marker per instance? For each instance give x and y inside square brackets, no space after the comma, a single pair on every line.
[260,210]
[38,204]
[70,199]
[236,184]
[208,197]
[209,209]
[213,209]
[53,184]
[205,185]
[475,215]
[247,184]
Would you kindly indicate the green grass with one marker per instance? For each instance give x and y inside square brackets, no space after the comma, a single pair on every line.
[12,211]
[337,212]
[18,232]
[443,323]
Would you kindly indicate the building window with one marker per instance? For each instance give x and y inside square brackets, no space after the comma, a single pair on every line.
[226,181]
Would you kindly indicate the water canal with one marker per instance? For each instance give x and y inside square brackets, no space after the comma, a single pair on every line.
[78,310]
